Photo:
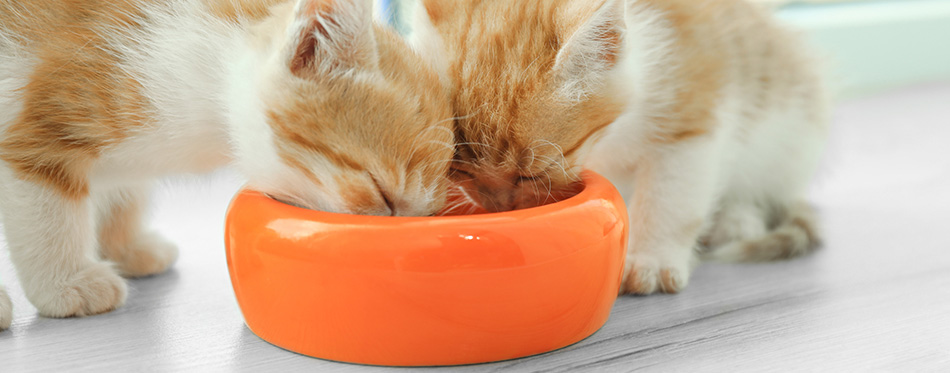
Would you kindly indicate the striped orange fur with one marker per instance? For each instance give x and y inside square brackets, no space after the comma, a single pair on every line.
[312,101]
[707,115]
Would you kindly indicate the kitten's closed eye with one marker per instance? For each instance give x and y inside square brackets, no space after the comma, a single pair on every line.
[461,173]
[524,179]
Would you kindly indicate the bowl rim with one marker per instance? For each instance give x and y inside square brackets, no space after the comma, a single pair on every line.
[593,188]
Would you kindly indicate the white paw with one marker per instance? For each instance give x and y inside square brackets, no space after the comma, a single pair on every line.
[93,290]
[649,273]
[149,254]
[6,310]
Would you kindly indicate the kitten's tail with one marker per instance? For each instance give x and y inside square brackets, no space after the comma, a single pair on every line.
[795,235]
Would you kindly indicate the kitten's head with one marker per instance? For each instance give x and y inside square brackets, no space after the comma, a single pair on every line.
[349,119]
[533,89]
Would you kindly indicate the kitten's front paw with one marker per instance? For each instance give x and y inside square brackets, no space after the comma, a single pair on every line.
[6,310]
[93,290]
[149,254]
[648,274]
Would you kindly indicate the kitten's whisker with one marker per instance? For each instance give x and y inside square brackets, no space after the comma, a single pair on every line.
[463,162]
[434,126]
[474,143]
[553,145]
[550,187]
[452,208]
[537,191]
[412,153]
[438,125]
[466,201]
[439,163]
[442,144]
[458,118]
[556,163]
[524,74]
[528,167]
[430,142]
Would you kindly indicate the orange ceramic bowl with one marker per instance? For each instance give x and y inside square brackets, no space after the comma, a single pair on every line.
[416,291]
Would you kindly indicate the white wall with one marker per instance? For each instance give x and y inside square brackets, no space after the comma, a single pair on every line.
[878,45]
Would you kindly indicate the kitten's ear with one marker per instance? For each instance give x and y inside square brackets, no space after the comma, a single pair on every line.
[422,16]
[592,50]
[332,35]
[437,11]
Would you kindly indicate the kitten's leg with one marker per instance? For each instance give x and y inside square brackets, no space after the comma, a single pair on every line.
[795,234]
[6,309]
[123,238]
[52,245]
[674,192]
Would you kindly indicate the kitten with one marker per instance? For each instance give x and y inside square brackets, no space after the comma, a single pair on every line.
[314,103]
[707,116]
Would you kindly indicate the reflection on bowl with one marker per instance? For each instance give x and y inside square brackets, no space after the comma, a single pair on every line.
[413,291]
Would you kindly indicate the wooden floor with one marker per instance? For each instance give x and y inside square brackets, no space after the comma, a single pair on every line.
[877,297]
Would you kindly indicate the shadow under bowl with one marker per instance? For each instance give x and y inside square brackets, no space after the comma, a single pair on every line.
[424,291]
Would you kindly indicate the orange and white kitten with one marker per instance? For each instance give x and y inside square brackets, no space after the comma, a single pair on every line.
[311,100]
[707,116]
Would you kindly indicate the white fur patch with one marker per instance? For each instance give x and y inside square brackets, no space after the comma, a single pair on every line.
[178,59]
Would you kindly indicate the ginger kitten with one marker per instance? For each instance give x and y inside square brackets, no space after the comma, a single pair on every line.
[314,103]
[707,116]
